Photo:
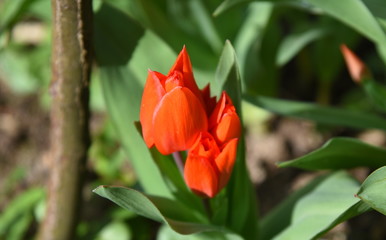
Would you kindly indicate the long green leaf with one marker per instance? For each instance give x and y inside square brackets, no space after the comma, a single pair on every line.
[121,44]
[373,189]
[332,200]
[293,43]
[180,218]
[280,217]
[249,44]
[165,233]
[340,153]
[353,13]
[242,214]
[320,114]
[18,207]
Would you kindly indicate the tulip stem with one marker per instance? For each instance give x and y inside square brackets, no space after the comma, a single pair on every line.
[178,160]
[208,208]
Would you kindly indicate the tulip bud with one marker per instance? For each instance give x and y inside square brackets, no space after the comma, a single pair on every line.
[208,167]
[358,70]
[224,123]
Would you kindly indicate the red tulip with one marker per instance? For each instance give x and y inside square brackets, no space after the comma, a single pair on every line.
[208,167]
[224,123]
[172,111]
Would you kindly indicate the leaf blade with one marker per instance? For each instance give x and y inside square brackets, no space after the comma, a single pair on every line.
[340,153]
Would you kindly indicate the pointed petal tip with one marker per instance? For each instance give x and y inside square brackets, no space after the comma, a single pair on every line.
[356,67]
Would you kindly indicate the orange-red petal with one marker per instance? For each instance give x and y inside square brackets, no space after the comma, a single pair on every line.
[152,95]
[178,120]
[224,123]
[200,176]
[210,102]
[225,162]
[183,65]
[357,69]
[228,128]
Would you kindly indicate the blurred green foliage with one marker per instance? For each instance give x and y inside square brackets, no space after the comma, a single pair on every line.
[282,50]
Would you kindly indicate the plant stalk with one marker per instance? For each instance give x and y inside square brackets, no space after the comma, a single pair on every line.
[69,135]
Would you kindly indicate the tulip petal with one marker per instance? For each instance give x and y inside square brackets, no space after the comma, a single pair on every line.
[225,162]
[152,95]
[184,66]
[210,102]
[218,111]
[178,120]
[224,123]
[228,128]
[200,176]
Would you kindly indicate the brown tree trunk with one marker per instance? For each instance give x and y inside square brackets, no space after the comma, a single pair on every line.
[69,139]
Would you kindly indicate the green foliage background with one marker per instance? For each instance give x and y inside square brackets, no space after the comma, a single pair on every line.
[281,56]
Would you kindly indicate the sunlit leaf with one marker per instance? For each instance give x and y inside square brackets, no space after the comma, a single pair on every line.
[115,230]
[331,202]
[372,190]
[180,218]
[281,216]
[340,153]
[165,233]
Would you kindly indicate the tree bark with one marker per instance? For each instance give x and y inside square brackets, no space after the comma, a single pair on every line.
[69,136]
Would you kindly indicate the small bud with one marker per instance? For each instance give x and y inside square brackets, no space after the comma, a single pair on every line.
[357,69]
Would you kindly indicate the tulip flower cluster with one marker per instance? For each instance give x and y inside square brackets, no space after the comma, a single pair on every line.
[177,116]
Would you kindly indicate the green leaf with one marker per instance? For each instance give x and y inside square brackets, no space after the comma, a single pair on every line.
[226,4]
[355,14]
[256,45]
[340,153]
[123,57]
[18,207]
[293,43]
[165,233]
[376,92]
[180,218]
[242,213]
[372,190]
[227,76]
[280,217]
[331,202]
[175,182]
[115,230]
[18,229]
[351,12]
[115,44]
[205,24]
[11,10]
[320,114]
